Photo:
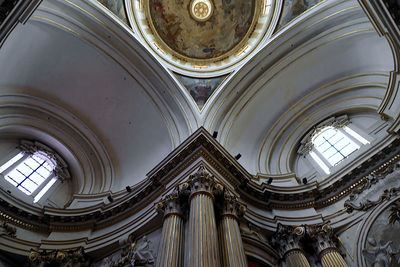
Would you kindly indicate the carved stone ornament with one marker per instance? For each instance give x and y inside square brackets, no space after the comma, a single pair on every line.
[249,230]
[383,184]
[61,167]
[381,254]
[138,253]
[394,215]
[231,205]
[7,230]
[203,181]
[335,122]
[171,204]
[323,236]
[287,238]
[63,258]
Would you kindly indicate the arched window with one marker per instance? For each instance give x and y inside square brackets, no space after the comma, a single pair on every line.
[34,170]
[331,142]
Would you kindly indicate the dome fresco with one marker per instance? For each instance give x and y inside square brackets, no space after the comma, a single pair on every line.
[205,29]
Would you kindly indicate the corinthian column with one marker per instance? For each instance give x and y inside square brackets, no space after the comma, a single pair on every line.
[328,253]
[230,239]
[203,240]
[287,238]
[171,247]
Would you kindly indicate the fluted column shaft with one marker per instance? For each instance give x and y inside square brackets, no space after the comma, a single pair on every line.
[229,234]
[203,241]
[296,258]
[332,258]
[171,246]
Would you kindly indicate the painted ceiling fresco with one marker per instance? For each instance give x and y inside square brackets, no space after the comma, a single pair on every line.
[221,32]
[293,8]
[200,89]
[116,7]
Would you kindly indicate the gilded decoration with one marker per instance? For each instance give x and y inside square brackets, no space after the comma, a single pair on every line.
[202,30]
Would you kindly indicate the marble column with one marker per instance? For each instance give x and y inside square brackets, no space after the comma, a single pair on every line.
[287,239]
[171,246]
[328,253]
[229,233]
[203,239]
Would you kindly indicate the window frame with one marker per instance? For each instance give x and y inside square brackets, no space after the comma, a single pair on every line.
[60,172]
[341,124]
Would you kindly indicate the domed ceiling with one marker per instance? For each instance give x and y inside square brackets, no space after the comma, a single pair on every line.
[202,36]
[201,30]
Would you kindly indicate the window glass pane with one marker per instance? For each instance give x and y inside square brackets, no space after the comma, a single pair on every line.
[16,176]
[334,145]
[24,190]
[31,172]
[43,172]
[336,139]
[37,178]
[24,169]
[11,181]
[335,158]
[350,148]
[323,147]
[329,152]
[33,164]
[29,185]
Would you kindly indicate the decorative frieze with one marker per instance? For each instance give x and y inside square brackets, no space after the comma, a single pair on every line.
[62,258]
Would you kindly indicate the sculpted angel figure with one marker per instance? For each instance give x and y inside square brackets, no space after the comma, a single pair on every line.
[382,254]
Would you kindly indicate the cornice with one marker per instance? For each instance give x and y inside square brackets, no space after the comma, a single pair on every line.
[200,144]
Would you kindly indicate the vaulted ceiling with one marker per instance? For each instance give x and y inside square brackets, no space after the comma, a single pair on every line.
[76,77]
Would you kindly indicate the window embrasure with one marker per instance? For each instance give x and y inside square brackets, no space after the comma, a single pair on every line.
[331,142]
[35,169]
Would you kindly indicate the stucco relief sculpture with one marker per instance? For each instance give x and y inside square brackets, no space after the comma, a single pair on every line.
[394,215]
[138,253]
[364,196]
[70,258]
[7,230]
[381,254]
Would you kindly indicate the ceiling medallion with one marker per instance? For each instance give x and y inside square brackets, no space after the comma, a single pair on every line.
[201,10]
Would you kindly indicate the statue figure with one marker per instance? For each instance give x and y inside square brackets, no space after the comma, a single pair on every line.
[382,254]
[142,252]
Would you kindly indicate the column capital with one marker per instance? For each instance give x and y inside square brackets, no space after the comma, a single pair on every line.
[203,182]
[170,204]
[323,236]
[231,206]
[287,238]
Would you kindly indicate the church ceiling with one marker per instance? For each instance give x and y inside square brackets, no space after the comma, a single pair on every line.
[202,29]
